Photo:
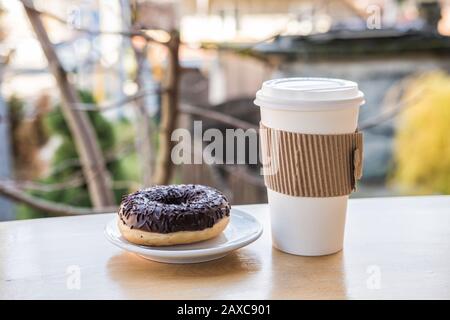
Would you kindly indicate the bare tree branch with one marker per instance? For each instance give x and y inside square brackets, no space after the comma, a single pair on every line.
[144,145]
[393,108]
[217,116]
[29,5]
[110,156]
[169,113]
[75,181]
[8,189]
[378,120]
[118,104]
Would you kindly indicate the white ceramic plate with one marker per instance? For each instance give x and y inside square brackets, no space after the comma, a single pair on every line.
[242,230]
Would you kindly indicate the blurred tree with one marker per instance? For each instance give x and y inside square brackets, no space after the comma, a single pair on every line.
[422,142]
[66,152]
[28,136]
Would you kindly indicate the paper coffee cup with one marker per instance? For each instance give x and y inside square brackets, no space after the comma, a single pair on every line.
[309,226]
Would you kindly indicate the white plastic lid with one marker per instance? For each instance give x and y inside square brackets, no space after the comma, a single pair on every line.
[309,94]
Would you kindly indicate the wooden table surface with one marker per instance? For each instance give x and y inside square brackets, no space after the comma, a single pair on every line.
[394,248]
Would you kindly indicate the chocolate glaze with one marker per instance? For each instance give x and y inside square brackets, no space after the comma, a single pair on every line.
[171,208]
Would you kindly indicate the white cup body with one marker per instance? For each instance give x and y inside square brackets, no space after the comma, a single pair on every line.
[309,226]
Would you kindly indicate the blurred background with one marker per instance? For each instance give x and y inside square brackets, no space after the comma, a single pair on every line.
[92,89]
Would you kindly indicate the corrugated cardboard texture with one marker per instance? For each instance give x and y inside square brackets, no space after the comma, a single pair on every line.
[311,165]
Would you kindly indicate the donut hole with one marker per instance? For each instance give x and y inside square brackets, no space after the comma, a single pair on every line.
[173,200]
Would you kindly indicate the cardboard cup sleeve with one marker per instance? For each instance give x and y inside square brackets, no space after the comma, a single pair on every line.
[311,165]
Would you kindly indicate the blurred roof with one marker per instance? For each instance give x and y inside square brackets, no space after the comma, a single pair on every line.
[345,43]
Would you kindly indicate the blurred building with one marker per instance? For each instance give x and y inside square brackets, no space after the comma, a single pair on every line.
[253,20]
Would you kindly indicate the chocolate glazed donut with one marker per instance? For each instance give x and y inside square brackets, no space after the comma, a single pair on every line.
[173,214]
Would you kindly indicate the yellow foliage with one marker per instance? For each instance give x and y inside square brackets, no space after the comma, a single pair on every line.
[422,141]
